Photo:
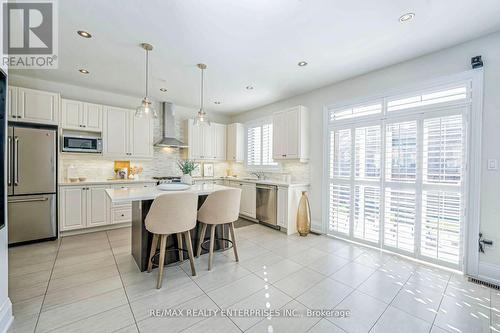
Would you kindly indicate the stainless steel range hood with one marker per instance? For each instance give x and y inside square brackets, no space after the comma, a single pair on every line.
[169,139]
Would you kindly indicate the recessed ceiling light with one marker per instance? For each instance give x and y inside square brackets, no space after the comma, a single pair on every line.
[249,87]
[217,102]
[406,17]
[163,89]
[302,63]
[84,34]
[83,71]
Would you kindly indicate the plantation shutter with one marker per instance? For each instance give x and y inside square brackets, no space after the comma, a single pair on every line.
[254,145]
[260,144]
[396,171]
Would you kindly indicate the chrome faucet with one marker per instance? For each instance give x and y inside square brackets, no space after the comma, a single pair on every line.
[259,174]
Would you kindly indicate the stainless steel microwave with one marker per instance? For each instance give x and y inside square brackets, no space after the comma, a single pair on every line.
[81,144]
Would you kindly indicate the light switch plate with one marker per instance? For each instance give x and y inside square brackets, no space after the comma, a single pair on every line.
[492,164]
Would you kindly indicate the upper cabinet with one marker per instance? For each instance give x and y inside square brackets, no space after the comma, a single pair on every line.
[290,134]
[235,142]
[207,142]
[33,106]
[81,116]
[125,135]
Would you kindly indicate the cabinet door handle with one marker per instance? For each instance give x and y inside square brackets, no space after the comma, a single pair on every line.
[9,167]
[123,215]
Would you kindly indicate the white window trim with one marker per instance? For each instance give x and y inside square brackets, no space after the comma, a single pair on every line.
[470,254]
[254,168]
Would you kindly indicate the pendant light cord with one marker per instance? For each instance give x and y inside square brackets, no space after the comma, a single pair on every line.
[202,88]
[147,72]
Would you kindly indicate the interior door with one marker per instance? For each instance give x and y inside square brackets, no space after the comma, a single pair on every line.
[34,160]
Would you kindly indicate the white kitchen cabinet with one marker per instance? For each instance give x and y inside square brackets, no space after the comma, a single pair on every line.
[34,106]
[81,116]
[125,135]
[73,208]
[219,137]
[235,142]
[206,142]
[115,135]
[12,93]
[82,207]
[97,206]
[140,136]
[92,114]
[290,134]
[72,113]
[248,199]
[282,206]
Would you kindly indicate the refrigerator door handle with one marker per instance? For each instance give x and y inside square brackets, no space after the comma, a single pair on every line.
[16,164]
[9,156]
[28,200]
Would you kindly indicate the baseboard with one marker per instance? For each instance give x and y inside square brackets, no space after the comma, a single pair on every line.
[489,273]
[6,316]
[95,229]
[317,227]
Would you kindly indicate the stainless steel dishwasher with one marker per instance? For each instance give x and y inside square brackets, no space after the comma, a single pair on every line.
[266,204]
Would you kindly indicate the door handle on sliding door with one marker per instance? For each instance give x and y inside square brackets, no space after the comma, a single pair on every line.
[16,162]
[9,157]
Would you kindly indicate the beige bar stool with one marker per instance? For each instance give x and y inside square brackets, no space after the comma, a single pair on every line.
[220,208]
[173,213]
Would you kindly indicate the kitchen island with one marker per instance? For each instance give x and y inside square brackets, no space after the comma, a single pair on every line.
[141,199]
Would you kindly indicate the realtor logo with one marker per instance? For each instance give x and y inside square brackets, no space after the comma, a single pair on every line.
[29,34]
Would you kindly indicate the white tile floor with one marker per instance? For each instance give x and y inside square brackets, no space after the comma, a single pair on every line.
[90,283]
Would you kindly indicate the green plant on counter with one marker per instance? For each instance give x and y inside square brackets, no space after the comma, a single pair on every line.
[187,166]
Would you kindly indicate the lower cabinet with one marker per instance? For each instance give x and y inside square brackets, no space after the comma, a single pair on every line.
[248,197]
[282,207]
[82,207]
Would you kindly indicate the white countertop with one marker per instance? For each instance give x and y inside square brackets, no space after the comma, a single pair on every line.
[149,193]
[106,182]
[262,181]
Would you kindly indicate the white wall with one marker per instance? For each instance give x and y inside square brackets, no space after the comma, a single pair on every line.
[448,61]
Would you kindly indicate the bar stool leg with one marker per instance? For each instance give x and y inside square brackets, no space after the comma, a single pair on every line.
[161,263]
[179,244]
[212,241]
[187,237]
[154,245]
[202,238]
[231,229]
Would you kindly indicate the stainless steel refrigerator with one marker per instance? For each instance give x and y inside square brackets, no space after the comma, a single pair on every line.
[31,183]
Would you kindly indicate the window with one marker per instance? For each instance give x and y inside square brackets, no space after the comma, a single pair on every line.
[397,181]
[260,145]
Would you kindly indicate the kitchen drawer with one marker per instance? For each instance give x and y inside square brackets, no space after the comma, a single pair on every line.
[121,215]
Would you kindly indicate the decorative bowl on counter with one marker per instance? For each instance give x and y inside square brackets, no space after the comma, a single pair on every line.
[173,187]
[82,179]
[73,179]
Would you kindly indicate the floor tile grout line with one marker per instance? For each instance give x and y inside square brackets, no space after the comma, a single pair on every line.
[441,301]
[121,280]
[48,283]
[191,277]
[389,305]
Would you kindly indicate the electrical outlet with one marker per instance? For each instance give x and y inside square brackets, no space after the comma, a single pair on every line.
[492,164]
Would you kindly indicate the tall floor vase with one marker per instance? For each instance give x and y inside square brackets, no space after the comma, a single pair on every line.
[304,215]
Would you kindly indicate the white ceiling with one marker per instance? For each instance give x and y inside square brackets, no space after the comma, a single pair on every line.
[251,42]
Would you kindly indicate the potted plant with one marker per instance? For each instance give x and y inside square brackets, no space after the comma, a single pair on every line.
[187,167]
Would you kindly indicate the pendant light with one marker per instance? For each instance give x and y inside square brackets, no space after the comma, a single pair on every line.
[201,118]
[146,108]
